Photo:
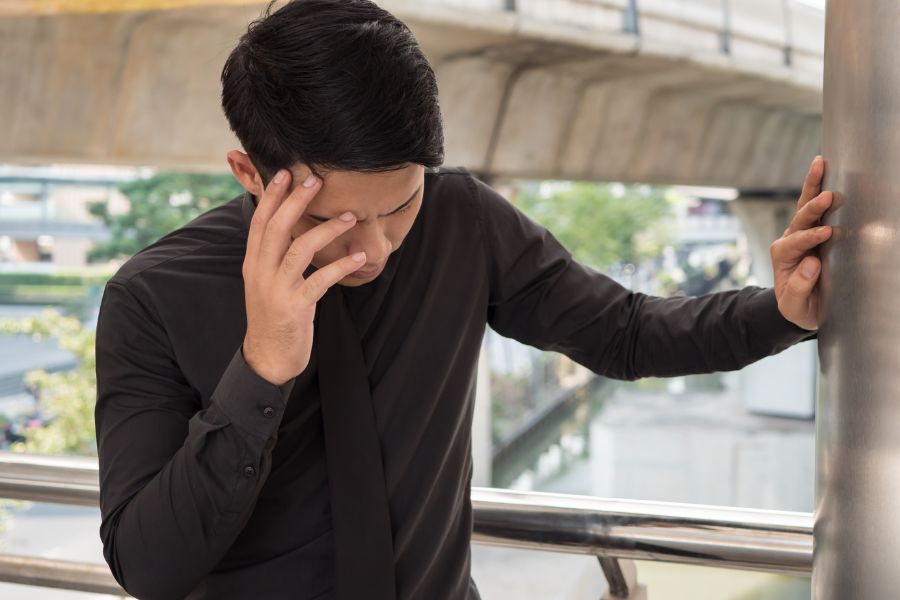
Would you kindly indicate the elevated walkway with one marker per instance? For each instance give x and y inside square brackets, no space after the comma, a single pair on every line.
[660,91]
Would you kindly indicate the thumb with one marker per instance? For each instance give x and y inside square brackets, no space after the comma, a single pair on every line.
[799,287]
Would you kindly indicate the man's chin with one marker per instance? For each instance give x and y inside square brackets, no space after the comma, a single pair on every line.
[351,281]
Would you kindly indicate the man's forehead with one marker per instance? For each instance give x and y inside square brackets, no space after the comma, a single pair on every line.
[362,194]
[355,181]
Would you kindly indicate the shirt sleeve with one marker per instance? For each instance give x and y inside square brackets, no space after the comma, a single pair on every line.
[177,483]
[540,295]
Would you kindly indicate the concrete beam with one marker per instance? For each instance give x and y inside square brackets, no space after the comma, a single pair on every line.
[21,8]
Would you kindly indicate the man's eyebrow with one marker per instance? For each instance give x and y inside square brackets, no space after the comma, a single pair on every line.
[401,207]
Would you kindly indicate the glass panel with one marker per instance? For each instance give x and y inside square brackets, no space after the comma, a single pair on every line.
[709,439]
[687,582]
[516,574]
[50,531]
[736,438]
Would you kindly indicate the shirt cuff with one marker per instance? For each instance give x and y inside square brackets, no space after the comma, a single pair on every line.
[767,322]
[251,403]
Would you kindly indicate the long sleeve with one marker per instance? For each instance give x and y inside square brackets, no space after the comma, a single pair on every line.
[177,483]
[541,296]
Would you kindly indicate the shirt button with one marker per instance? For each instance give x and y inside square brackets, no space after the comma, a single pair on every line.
[249,471]
[268,412]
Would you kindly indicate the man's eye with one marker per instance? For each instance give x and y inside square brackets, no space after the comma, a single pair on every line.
[404,209]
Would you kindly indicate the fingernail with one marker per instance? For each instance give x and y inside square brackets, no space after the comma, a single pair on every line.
[310,181]
[808,269]
[279,176]
[347,216]
[822,229]
[359,256]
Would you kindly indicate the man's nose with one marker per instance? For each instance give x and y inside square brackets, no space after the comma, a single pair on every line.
[373,242]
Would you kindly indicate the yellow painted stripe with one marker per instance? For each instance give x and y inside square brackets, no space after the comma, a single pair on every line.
[54,7]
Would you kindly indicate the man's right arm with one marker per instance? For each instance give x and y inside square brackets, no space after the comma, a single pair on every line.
[177,483]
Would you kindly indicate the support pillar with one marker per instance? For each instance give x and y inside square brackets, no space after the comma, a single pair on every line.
[857,526]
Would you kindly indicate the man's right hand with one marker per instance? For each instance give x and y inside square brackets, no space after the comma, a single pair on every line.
[280,303]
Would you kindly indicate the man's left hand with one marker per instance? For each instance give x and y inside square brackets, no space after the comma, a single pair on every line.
[795,255]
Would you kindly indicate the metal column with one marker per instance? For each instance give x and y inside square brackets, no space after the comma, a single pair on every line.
[857,529]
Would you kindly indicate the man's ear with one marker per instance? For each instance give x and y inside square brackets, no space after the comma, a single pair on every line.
[245,172]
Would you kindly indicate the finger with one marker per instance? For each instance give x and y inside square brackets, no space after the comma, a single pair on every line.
[791,249]
[809,215]
[315,286]
[277,236]
[799,287]
[265,208]
[812,185]
[305,246]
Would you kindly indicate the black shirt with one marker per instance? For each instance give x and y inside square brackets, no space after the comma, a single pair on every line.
[352,480]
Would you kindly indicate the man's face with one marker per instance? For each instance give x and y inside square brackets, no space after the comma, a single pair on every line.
[385,204]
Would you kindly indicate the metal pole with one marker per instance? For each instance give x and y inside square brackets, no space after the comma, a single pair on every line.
[725,34]
[621,580]
[631,21]
[788,32]
[857,527]
[59,574]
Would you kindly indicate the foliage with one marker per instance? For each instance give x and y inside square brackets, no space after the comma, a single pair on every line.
[66,398]
[57,278]
[159,204]
[6,507]
[43,294]
[65,288]
[600,224]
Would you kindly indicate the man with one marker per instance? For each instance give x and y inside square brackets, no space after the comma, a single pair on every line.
[285,384]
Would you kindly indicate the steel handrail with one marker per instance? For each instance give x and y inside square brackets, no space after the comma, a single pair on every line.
[760,540]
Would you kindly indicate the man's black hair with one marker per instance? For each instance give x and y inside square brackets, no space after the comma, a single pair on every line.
[334,84]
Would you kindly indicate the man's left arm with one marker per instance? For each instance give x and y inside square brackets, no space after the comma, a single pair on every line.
[541,296]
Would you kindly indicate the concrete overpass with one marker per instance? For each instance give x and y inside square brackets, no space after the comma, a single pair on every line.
[702,92]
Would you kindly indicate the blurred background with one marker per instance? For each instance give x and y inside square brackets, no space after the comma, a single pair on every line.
[664,142]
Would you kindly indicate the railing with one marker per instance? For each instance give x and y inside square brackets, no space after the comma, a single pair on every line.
[780,32]
[615,531]
[55,227]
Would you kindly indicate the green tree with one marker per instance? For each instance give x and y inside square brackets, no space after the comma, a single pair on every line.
[66,398]
[159,205]
[599,225]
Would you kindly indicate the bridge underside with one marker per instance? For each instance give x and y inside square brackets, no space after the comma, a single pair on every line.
[521,96]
